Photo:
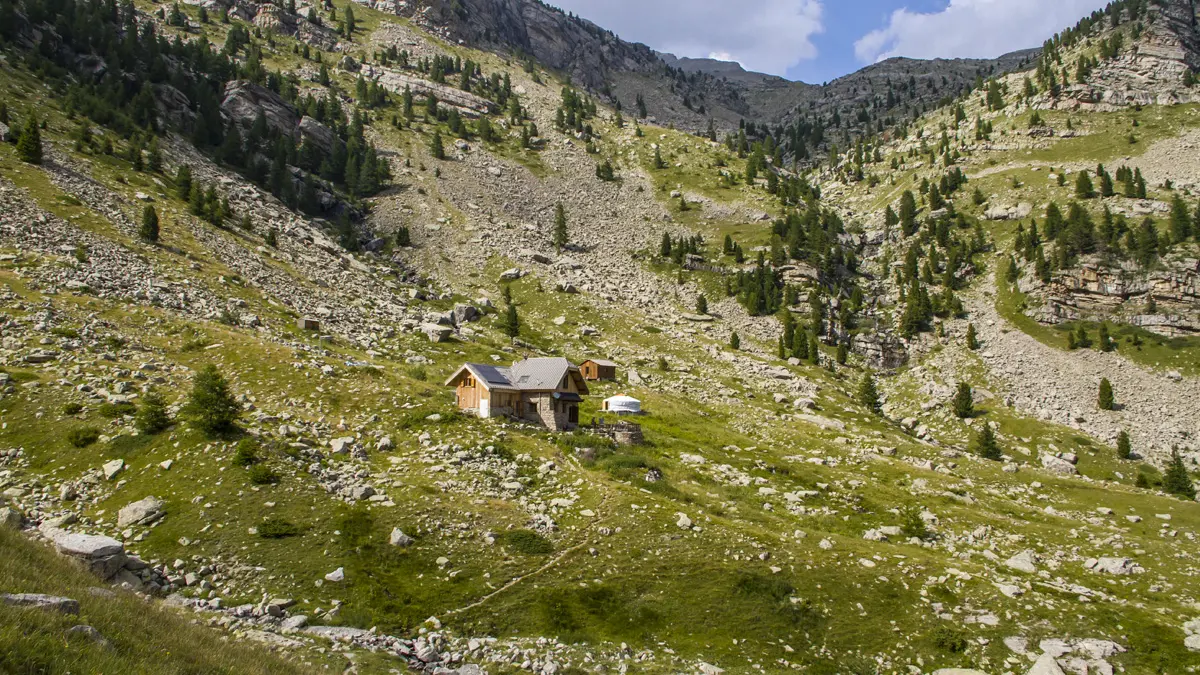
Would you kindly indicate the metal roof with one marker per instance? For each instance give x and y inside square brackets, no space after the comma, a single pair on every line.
[539,373]
[530,374]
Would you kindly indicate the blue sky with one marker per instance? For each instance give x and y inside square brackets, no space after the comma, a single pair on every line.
[819,40]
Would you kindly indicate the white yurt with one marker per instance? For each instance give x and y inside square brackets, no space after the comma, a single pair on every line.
[622,404]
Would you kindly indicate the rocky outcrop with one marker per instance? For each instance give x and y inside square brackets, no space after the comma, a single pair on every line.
[397,81]
[244,101]
[1099,291]
[1149,72]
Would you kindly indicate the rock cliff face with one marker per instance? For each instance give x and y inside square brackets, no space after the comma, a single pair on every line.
[1097,291]
[1150,71]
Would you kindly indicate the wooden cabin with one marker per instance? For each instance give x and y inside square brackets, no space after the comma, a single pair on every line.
[543,391]
[598,369]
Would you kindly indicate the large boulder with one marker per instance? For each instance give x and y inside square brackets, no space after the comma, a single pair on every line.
[10,517]
[141,512]
[318,134]
[103,556]
[1058,465]
[465,314]
[436,333]
[39,601]
[244,100]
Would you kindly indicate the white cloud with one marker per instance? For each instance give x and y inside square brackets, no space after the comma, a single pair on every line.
[763,35]
[972,29]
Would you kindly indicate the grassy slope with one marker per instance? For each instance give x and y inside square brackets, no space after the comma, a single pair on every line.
[143,638]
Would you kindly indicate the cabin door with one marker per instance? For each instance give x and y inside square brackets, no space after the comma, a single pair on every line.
[485,406]
[573,414]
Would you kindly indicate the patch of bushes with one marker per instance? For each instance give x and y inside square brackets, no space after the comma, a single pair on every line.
[949,639]
[72,408]
[246,453]
[115,410]
[261,474]
[81,437]
[277,528]
[526,542]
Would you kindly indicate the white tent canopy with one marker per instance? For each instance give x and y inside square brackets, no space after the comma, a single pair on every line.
[622,404]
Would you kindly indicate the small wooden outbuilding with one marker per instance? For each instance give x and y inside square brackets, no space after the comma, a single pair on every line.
[598,369]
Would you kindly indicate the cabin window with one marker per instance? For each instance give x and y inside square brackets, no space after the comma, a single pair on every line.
[531,408]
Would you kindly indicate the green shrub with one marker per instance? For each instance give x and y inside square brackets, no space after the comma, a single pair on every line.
[949,639]
[115,410]
[152,415]
[213,406]
[82,437]
[261,474]
[418,373]
[526,542]
[72,408]
[277,528]
[913,525]
[246,453]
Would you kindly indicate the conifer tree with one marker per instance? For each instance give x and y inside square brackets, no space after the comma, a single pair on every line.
[843,353]
[560,235]
[212,405]
[702,305]
[149,229]
[986,445]
[152,414]
[29,146]
[1083,186]
[511,322]
[868,393]
[1124,449]
[1105,399]
[183,181]
[964,401]
[1176,480]
[436,148]
[1106,342]
[735,341]
[972,341]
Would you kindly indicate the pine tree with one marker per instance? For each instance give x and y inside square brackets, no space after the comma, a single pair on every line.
[1106,342]
[1176,480]
[560,235]
[149,229]
[664,249]
[183,182]
[986,445]
[152,414]
[1082,339]
[972,341]
[29,146]
[843,353]
[701,305]
[735,341]
[511,322]
[1083,186]
[1124,450]
[964,401]
[658,160]
[868,394]
[436,148]
[212,405]
[1105,398]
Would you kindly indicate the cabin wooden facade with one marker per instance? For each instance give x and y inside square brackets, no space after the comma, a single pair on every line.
[598,369]
[542,391]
